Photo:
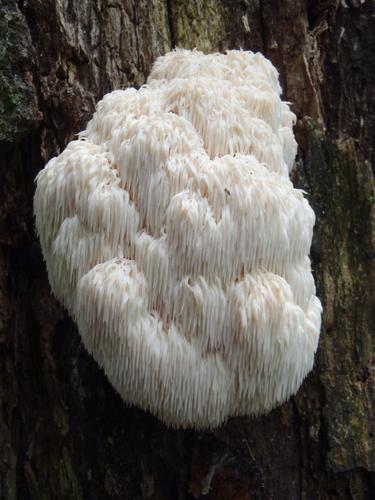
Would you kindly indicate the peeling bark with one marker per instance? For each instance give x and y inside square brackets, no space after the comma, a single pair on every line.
[64,432]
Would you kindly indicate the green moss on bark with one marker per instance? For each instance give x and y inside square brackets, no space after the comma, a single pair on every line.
[199,24]
[18,109]
[341,188]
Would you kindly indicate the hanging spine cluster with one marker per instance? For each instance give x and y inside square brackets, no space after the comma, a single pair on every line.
[173,235]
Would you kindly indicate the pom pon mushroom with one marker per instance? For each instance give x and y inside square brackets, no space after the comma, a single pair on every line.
[174,237]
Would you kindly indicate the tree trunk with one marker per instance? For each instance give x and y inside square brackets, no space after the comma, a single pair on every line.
[64,432]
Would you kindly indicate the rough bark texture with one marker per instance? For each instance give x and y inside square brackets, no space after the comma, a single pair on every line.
[64,432]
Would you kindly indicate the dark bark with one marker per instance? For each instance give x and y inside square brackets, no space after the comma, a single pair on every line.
[64,432]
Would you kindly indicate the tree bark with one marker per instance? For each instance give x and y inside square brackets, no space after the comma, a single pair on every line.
[64,432]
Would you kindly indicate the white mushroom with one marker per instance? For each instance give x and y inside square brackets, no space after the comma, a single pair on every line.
[175,239]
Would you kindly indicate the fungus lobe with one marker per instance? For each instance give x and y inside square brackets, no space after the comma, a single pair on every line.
[174,237]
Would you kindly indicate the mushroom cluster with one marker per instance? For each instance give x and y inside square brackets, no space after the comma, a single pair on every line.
[174,237]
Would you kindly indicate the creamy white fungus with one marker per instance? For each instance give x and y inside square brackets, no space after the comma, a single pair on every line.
[175,239]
